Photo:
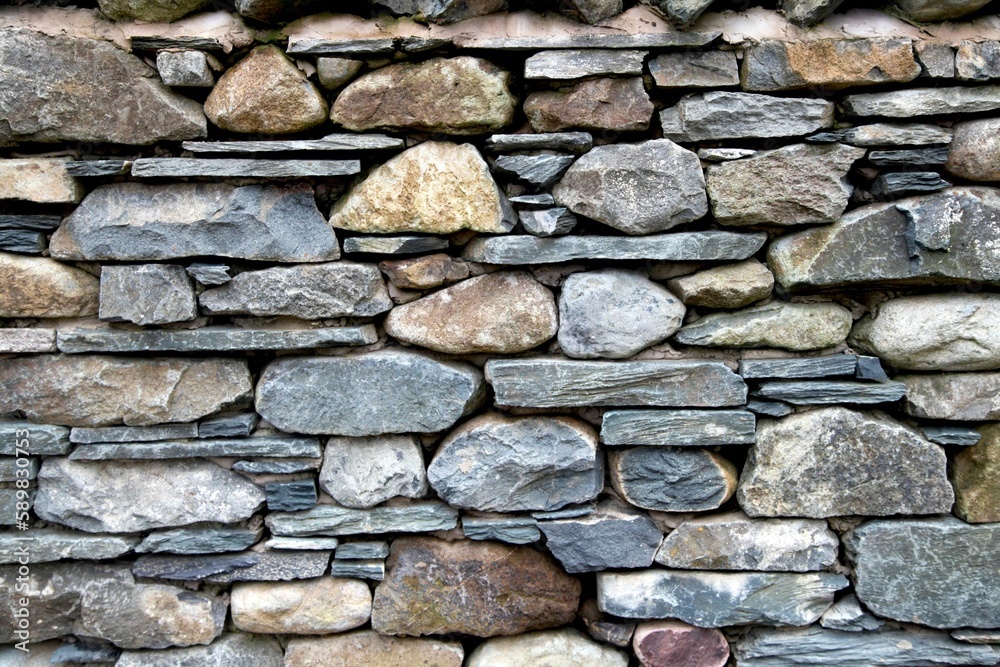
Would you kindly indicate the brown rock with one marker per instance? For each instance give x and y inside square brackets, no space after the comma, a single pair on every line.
[311,607]
[974,152]
[150,10]
[482,589]
[955,396]
[676,644]
[595,104]
[424,272]
[727,286]
[502,312]
[975,474]
[97,390]
[366,647]
[462,95]
[265,93]
[40,180]
[42,287]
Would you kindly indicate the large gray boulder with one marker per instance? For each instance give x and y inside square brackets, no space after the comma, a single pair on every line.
[616,536]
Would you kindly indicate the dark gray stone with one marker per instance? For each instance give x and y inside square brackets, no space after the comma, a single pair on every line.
[683,12]
[20,468]
[244,566]
[331,142]
[564,39]
[159,42]
[937,59]
[574,142]
[912,157]
[92,168]
[831,392]
[672,479]
[684,428]
[806,13]
[769,408]
[10,514]
[977,61]
[870,368]
[811,367]
[237,648]
[212,339]
[147,294]
[271,446]
[718,599]
[23,241]
[569,512]
[86,436]
[705,69]
[443,11]
[962,436]
[51,544]
[206,540]
[615,537]
[724,115]
[509,529]
[393,245]
[547,222]
[38,439]
[539,170]
[184,68]
[362,551]
[358,569]
[923,102]
[228,426]
[541,199]
[899,184]
[896,134]
[277,466]
[181,167]
[591,11]
[86,651]
[333,520]
[291,496]
[566,64]
[550,383]
[209,274]
[847,615]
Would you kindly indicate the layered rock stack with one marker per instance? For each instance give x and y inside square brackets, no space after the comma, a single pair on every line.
[452,333]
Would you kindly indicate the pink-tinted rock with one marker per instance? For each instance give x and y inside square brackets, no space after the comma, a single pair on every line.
[595,104]
[676,644]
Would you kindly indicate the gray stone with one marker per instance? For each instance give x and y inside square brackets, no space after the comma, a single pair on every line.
[510,464]
[937,59]
[372,569]
[549,383]
[539,199]
[85,168]
[147,294]
[574,142]
[705,69]
[795,185]
[443,11]
[418,517]
[272,446]
[723,115]
[277,466]
[718,599]
[806,13]
[209,274]
[131,496]
[591,11]
[291,496]
[243,566]
[889,186]
[769,408]
[86,651]
[733,541]
[672,479]
[274,11]
[86,436]
[556,37]
[608,104]
[362,551]
[837,462]
[333,73]
[230,649]
[20,468]
[183,167]
[923,102]
[947,332]
[896,576]
[393,245]
[682,428]
[331,142]
[206,540]
[137,222]
[24,241]
[636,188]
[184,68]
[547,222]
[149,10]
[27,341]
[61,88]
[847,615]
[51,544]
[566,647]
[569,512]
[955,396]
[540,170]
[674,247]
[614,313]
[726,286]
[237,425]
[938,10]
[790,326]
[973,153]
[212,339]
[615,537]
[909,157]
[831,392]
[799,367]
[724,154]
[683,12]
[12,509]
[566,64]
[364,472]
[19,438]
[302,543]
[509,529]
[977,636]
[870,368]
[891,134]
[952,435]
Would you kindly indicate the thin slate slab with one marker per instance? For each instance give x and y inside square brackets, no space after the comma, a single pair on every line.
[730,115]
[302,543]
[209,339]
[277,447]
[84,435]
[575,142]
[331,142]
[831,392]
[299,494]
[567,64]
[210,539]
[371,550]
[333,520]
[393,245]
[683,428]
[18,438]
[177,167]
[373,569]
[243,566]
[961,436]
[51,544]
[810,367]
[510,529]
[923,102]
[277,466]
[237,425]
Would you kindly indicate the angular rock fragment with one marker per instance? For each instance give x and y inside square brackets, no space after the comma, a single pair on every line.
[892,185]
[669,643]
[620,105]
[937,59]
[672,479]
[806,13]
[938,10]
[724,115]
[312,607]
[834,392]
[808,367]
[151,11]
[790,326]
[954,396]
[393,245]
[975,473]
[847,615]
[909,157]
[567,64]
[424,272]
[333,520]
[540,170]
[211,339]
[38,180]
[962,436]
[42,287]
[184,68]
[147,294]
[974,152]
[499,528]
[591,11]
[227,568]
[566,647]
[230,649]
[291,496]
[199,540]
[362,550]
[708,69]
[363,472]
[370,647]
[727,286]
[615,537]
[51,544]
[44,440]
[209,274]
[444,11]
[238,425]
[333,73]
[893,134]
[547,222]
[358,569]
[830,64]
[683,428]
[683,12]
[923,102]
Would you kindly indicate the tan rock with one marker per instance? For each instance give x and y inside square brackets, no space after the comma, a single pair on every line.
[557,648]
[482,589]
[370,648]
[39,180]
[502,312]
[956,396]
[311,607]
[265,93]
[462,95]
[974,152]
[97,390]
[150,10]
[975,473]
[727,286]
[43,287]
[424,272]
[595,104]
[435,187]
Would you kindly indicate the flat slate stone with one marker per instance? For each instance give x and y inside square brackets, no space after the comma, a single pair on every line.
[574,142]
[302,543]
[724,115]
[923,102]
[91,168]
[799,367]
[27,341]
[209,274]
[725,154]
[208,540]
[277,466]
[549,383]
[509,529]
[86,652]
[672,479]
[769,408]
[236,648]
[333,520]
[393,245]
[83,435]
[682,428]
[541,199]
[12,469]
[566,64]
[675,247]
[280,446]
[362,551]
[23,438]
[23,241]
[961,436]
[212,339]
[291,496]
[228,426]
[569,512]
[540,170]
[936,155]
[977,636]
[617,40]
[373,569]
[51,544]
[244,566]
[847,615]
[888,186]
[177,167]
[719,599]
[331,142]
[705,69]
[831,392]
[617,536]
[892,134]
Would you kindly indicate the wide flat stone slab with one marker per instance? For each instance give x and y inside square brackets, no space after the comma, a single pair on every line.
[211,539]
[680,428]
[923,102]
[216,338]
[244,566]
[333,520]
[86,436]
[731,115]
[51,544]
[831,392]
[18,438]
[208,447]
[811,367]
[509,529]
[331,142]
[568,64]
[177,167]
[575,142]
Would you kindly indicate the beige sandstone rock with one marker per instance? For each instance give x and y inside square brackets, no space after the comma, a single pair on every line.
[311,607]
[366,647]
[43,287]
[424,272]
[557,648]
[790,326]
[975,473]
[727,286]
[39,180]
[974,152]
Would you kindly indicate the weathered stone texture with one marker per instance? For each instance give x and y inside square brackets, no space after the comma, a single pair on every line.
[974,153]
[975,472]
[724,115]
[311,607]
[616,536]
[38,180]
[726,286]
[150,10]
[695,70]
[954,396]
[791,326]
[620,105]
[566,648]
[147,294]
[672,479]
[229,649]
[363,472]
[670,643]
[369,647]
[41,287]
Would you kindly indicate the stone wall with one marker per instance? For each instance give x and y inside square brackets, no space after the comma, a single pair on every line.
[445,333]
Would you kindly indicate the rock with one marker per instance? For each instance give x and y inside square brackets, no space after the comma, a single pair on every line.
[358,569]
[312,607]
[274,446]
[908,157]
[895,579]
[832,392]
[790,326]
[369,647]
[138,222]
[937,59]
[976,636]
[718,599]
[948,332]
[806,13]
[620,105]
[502,312]
[301,544]
[278,467]
[670,643]
[837,462]
[393,245]
[89,436]
[726,286]
[229,649]
[574,142]
[50,544]
[333,73]
[265,93]
[331,142]
[227,568]
[724,154]
[962,436]
[184,167]
[539,170]
[724,115]
[212,339]
[636,188]
[38,180]
[209,274]
[362,550]
[683,13]
[131,496]
[238,425]
[697,69]
[937,10]
[151,11]
[389,391]
[10,471]
[461,95]
[847,615]
[870,368]
[147,294]
[615,537]
[510,464]
[435,187]
[923,102]
[42,287]
[363,472]
[975,473]
[830,64]
[614,313]
[683,428]
[733,541]
[891,134]
[672,479]
[27,341]
[291,496]
[975,151]
[184,68]
[509,529]
[618,634]
[102,390]
[566,64]
[956,396]
[418,517]
[438,587]
[199,540]
[82,651]
[794,185]
[565,648]
[889,186]
[425,272]
[43,440]
[591,11]
[547,222]
[62,88]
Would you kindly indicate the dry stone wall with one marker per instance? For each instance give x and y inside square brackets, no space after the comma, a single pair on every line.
[464,333]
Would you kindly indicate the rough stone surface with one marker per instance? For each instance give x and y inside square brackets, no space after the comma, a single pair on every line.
[923,102]
[726,286]
[363,472]
[615,537]
[559,648]
[500,528]
[706,69]
[541,170]
[620,105]
[211,339]
[437,587]
[724,115]
[502,312]
[806,13]
[358,569]
[333,73]
[425,272]
[435,187]
[45,440]
[88,436]
[41,287]
[227,568]
[975,473]
[511,464]
[681,428]
[837,462]
[894,134]
[150,10]
[614,313]
[795,185]
[461,95]
[199,540]
[311,607]
[184,68]
[290,496]
[636,188]
[547,222]
[566,64]
[974,152]
[847,615]
[591,11]
[333,520]
[38,180]
[369,647]
[147,294]
[50,544]
[826,392]
[393,245]
[791,326]
[938,10]
[672,643]
[890,186]
[683,12]
[265,93]
[229,649]
[672,479]
[954,396]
